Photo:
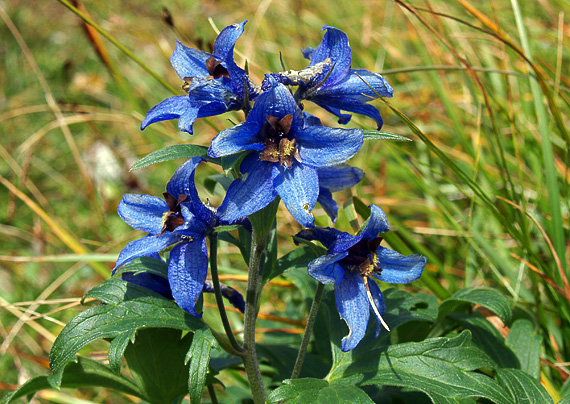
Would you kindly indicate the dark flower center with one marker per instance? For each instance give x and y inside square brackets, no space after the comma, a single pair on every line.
[278,146]
[215,69]
[362,257]
[173,218]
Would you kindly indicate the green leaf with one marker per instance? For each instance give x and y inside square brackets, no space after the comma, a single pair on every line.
[488,338]
[262,220]
[84,373]
[233,161]
[525,343]
[128,307]
[317,391]
[306,388]
[156,362]
[298,258]
[178,151]
[145,264]
[489,298]
[523,388]
[437,366]
[380,135]
[117,349]
[199,357]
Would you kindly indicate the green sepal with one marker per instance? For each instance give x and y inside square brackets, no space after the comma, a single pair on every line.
[117,349]
[262,220]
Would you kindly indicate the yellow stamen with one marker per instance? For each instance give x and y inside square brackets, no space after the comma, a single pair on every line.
[371,300]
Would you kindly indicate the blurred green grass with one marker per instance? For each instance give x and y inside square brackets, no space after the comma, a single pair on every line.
[484,139]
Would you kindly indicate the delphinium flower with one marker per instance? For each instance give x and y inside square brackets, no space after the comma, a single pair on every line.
[214,83]
[182,220]
[286,155]
[333,179]
[350,264]
[329,81]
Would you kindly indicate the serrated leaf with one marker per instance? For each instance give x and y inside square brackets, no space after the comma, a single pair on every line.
[525,343]
[317,391]
[156,362]
[439,366]
[380,135]
[117,349]
[488,338]
[339,394]
[128,307]
[144,264]
[291,389]
[178,151]
[83,373]
[523,388]
[489,298]
[199,357]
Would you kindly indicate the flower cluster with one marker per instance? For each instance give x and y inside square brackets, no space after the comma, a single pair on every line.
[286,153]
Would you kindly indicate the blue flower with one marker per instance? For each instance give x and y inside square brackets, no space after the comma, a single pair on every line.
[286,155]
[350,262]
[333,179]
[181,220]
[344,89]
[214,83]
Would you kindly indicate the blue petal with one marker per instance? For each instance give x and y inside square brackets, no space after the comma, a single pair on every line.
[187,270]
[335,104]
[343,119]
[150,281]
[224,49]
[353,306]
[189,62]
[170,108]
[364,88]
[143,212]
[204,91]
[326,268]
[320,146]
[378,299]
[195,225]
[251,192]
[275,101]
[308,52]
[327,202]
[397,268]
[298,186]
[377,224]
[311,120]
[182,183]
[145,247]
[334,46]
[240,137]
[225,42]
[337,178]
[327,236]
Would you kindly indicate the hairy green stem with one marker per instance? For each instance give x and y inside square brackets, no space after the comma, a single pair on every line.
[254,279]
[308,330]
[218,291]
